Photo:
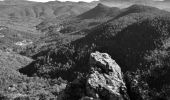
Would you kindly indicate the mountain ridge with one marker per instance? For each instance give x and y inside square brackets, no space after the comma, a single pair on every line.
[100,10]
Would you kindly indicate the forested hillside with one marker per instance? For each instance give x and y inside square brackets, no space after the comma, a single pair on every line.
[62,57]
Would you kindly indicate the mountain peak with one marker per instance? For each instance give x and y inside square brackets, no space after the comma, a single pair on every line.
[100,5]
[99,11]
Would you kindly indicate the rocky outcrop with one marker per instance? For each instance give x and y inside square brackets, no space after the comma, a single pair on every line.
[103,82]
[105,77]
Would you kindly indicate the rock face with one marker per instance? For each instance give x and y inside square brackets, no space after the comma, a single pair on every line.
[103,82]
[105,77]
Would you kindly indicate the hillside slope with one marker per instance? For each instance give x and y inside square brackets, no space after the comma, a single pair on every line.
[113,32]
[9,64]
[137,41]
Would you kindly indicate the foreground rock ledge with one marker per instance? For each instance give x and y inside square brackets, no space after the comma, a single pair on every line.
[103,82]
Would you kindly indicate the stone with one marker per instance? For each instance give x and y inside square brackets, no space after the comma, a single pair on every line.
[104,81]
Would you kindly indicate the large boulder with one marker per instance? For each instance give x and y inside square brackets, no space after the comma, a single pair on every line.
[104,81]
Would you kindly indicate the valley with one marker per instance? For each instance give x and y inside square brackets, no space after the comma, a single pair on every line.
[83,51]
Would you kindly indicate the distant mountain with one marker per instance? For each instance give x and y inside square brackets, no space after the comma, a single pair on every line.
[100,11]
[139,9]
[24,15]
[25,9]
[93,17]
[16,2]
